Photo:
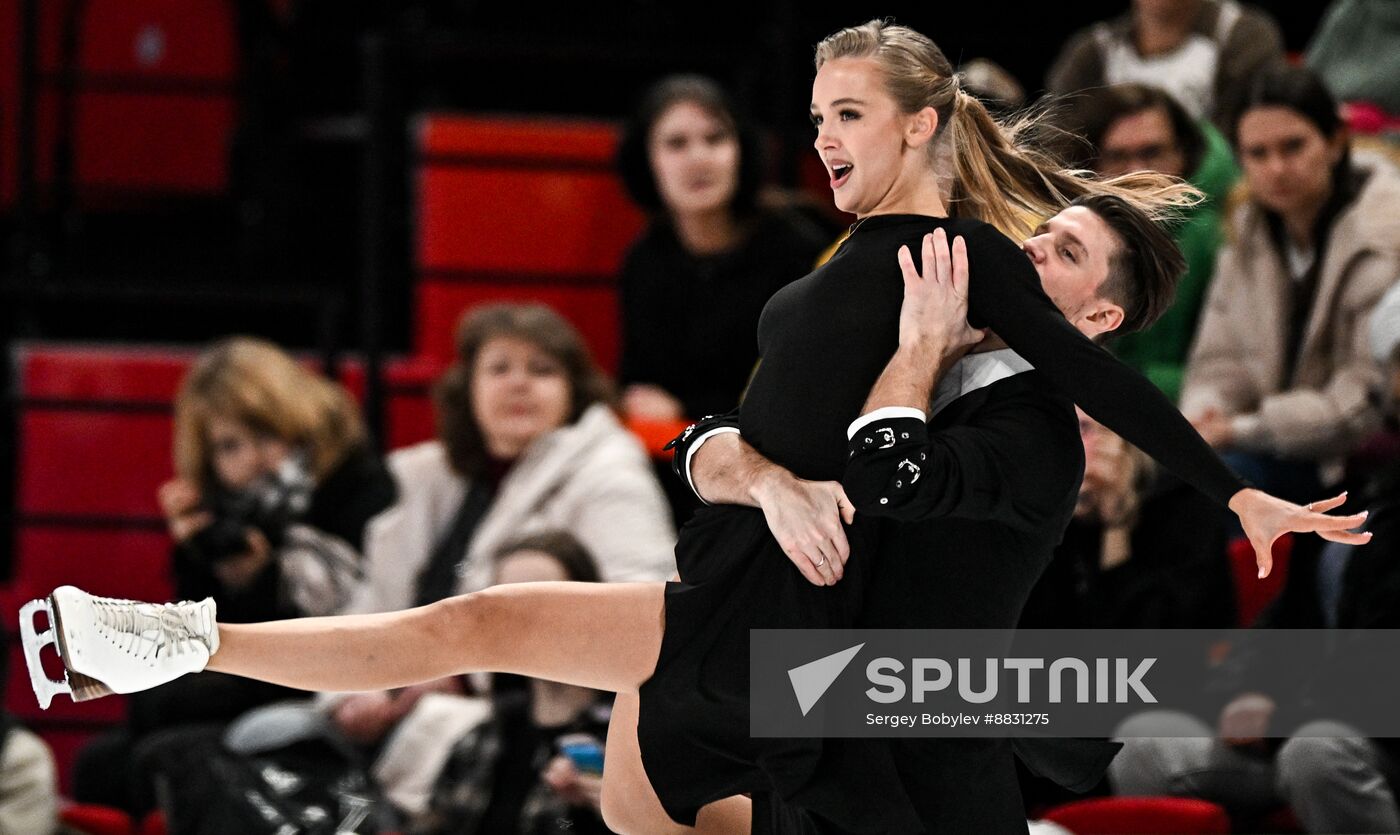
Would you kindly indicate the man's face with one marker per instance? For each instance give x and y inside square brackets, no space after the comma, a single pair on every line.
[1141,141]
[1071,253]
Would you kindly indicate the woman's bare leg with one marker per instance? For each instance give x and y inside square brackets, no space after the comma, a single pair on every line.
[630,805]
[606,636]
[601,635]
[730,816]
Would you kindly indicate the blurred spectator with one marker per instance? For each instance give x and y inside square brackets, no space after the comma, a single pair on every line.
[1134,127]
[528,442]
[1144,551]
[989,81]
[693,285]
[535,766]
[1356,52]
[28,782]
[1385,331]
[1280,374]
[1335,779]
[275,484]
[1201,51]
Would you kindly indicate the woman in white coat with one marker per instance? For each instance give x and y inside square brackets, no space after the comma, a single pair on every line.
[527,442]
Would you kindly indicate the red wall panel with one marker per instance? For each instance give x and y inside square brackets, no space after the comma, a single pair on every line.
[559,224]
[90,462]
[593,310]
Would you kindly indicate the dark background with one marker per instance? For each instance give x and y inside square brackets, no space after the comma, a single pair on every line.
[293,215]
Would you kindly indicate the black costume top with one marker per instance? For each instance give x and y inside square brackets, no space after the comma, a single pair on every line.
[824,341]
[688,321]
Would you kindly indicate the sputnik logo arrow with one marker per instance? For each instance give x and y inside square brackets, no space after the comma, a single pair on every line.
[811,680]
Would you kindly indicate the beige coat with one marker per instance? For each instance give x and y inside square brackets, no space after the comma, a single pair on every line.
[1237,360]
[590,478]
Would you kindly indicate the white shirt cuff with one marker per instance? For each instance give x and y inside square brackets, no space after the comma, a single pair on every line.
[695,447]
[883,413]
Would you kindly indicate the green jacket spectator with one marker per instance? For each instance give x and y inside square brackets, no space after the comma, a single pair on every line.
[1135,127]
[1160,351]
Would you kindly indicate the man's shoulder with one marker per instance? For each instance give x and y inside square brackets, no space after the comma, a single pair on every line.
[1029,394]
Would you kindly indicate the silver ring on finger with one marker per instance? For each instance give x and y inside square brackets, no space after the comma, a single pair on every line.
[1310,504]
[820,564]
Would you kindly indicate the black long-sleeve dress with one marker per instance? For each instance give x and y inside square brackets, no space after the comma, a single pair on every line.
[688,320]
[823,341]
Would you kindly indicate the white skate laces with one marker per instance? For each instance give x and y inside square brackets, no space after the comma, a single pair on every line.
[146,630]
[116,646]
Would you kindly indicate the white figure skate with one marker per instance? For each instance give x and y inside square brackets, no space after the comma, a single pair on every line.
[115,646]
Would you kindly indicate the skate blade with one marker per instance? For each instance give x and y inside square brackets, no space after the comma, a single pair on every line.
[79,687]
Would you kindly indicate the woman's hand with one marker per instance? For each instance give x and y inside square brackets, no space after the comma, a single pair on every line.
[1215,427]
[239,572]
[179,501]
[1244,722]
[1265,518]
[577,788]
[364,718]
[649,402]
[1107,487]
[933,318]
[805,517]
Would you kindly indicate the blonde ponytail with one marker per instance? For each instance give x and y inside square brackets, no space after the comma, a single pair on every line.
[1003,179]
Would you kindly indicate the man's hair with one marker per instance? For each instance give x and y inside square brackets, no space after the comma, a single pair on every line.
[1144,269]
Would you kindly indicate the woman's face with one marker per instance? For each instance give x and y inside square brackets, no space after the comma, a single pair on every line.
[694,159]
[529,567]
[861,134]
[1287,161]
[242,455]
[519,392]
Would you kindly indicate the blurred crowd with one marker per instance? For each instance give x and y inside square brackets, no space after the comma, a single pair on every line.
[1282,348]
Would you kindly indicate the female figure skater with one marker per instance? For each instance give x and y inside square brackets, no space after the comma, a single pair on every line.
[824,340]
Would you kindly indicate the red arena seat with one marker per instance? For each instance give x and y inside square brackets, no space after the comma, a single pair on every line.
[1141,816]
[518,209]
[1251,593]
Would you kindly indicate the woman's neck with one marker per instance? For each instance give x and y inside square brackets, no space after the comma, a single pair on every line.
[556,704]
[1299,225]
[706,233]
[919,194]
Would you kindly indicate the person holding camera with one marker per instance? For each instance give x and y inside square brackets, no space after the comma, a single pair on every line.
[275,483]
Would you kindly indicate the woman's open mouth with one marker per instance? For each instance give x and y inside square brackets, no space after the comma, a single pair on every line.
[840,172]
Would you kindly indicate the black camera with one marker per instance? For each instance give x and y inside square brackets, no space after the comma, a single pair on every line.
[271,503]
